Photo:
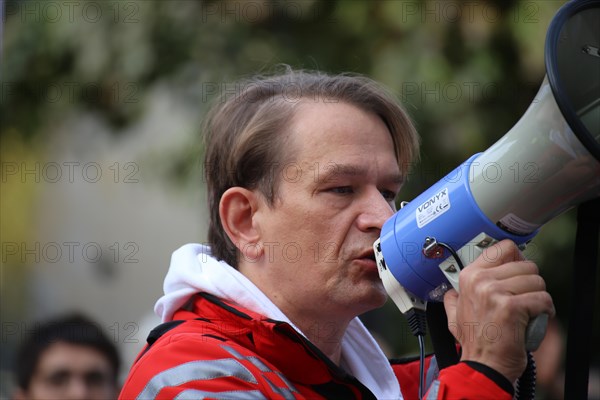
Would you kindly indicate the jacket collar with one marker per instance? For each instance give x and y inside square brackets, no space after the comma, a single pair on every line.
[301,361]
[194,270]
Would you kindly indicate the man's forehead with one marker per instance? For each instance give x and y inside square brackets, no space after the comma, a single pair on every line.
[332,139]
[333,170]
[65,353]
[329,115]
[319,124]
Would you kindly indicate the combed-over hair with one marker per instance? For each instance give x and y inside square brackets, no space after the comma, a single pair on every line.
[244,134]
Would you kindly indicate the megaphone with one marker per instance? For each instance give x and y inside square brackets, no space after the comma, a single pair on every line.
[548,163]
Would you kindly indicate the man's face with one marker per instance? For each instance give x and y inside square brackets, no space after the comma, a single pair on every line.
[334,195]
[69,371]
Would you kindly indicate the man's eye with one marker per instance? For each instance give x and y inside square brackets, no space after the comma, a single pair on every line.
[59,378]
[388,195]
[342,189]
[96,379]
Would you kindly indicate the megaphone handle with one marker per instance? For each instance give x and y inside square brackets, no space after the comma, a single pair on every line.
[536,330]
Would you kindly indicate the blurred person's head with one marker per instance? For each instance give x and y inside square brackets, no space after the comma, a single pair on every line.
[248,138]
[67,358]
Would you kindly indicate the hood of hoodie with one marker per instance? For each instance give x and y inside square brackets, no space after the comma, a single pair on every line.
[193,269]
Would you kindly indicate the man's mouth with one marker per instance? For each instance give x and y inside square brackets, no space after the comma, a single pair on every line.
[367,255]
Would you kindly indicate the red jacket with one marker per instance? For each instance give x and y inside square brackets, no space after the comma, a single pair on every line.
[216,350]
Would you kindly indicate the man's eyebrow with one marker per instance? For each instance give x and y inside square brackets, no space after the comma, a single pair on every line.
[333,171]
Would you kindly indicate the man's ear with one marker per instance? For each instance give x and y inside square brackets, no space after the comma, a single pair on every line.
[237,209]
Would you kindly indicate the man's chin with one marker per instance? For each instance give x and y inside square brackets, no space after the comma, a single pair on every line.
[377,296]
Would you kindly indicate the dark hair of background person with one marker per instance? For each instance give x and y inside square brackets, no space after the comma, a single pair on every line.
[74,329]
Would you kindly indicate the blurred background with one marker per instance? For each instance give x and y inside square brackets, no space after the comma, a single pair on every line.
[101,103]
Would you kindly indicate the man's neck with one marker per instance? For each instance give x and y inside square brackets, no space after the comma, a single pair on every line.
[326,335]
[319,327]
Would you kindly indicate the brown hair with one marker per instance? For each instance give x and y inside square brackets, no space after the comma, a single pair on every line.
[244,133]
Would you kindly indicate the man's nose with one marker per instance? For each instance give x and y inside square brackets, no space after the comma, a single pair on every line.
[77,390]
[377,210]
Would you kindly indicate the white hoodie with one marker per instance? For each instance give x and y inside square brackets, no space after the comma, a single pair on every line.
[193,270]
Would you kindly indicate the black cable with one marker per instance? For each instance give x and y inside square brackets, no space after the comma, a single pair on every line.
[525,388]
[421,365]
[453,253]
[417,322]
